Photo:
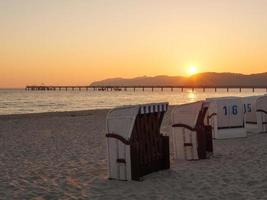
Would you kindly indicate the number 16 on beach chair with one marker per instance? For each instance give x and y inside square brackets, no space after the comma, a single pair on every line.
[226,116]
[135,145]
[192,139]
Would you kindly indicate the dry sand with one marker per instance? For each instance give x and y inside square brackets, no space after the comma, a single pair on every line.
[63,156]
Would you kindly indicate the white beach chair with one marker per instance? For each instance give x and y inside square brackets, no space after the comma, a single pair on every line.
[192,139]
[135,145]
[250,121]
[261,112]
[226,116]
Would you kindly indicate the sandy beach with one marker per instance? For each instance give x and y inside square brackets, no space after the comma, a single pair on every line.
[63,156]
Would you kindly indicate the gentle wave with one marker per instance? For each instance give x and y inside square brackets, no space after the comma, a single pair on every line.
[21,101]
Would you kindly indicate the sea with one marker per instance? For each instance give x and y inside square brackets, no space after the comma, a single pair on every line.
[20,101]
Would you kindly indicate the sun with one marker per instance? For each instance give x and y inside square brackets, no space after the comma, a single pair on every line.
[192,70]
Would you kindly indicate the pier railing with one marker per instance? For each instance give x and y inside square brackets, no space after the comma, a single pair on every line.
[142,87]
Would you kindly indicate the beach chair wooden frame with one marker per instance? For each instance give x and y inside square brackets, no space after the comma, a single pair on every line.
[192,138]
[135,145]
[261,112]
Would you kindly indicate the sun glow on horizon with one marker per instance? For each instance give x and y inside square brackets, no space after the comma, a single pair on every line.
[79,42]
[192,70]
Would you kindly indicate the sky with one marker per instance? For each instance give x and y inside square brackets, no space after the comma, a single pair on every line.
[75,42]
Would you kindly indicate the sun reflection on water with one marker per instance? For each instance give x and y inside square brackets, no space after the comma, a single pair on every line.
[192,96]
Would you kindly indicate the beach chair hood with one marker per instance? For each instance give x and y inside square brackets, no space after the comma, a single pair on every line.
[187,114]
[120,121]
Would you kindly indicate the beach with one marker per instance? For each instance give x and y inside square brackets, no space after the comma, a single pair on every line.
[63,155]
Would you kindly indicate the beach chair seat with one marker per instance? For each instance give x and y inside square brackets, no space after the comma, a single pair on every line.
[226,116]
[135,145]
[192,138]
[261,112]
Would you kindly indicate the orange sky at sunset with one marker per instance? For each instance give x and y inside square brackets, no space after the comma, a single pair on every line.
[67,42]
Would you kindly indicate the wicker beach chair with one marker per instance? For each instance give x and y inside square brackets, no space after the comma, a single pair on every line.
[261,112]
[226,116]
[192,138]
[250,121]
[135,145]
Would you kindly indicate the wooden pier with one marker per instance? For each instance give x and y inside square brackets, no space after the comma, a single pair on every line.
[142,88]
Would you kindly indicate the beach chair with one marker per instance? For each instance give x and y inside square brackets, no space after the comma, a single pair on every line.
[135,145]
[261,113]
[226,116]
[192,138]
[250,121]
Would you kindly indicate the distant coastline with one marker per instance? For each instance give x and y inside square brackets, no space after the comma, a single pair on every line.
[201,80]
[207,78]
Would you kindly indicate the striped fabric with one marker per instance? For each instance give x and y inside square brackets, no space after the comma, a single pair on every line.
[152,108]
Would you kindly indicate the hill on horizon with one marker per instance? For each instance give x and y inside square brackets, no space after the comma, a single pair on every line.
[201,79]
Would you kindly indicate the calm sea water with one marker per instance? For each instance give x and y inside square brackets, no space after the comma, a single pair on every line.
[18,101]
